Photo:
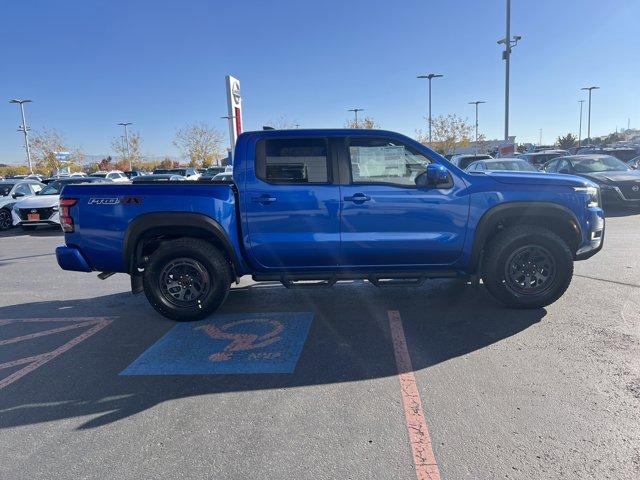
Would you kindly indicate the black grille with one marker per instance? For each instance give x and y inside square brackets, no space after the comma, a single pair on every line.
[45,213]
[628,191]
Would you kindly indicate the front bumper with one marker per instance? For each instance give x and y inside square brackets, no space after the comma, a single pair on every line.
[70,258]
[52,220]
[593,235]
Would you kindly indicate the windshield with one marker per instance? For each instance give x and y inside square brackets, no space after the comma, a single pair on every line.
[101,175]
[512,165]
[600,164]
[5,188]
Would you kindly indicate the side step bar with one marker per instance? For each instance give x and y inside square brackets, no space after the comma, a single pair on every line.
[379,279]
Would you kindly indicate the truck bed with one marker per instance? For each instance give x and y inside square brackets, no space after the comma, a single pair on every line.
[104,212]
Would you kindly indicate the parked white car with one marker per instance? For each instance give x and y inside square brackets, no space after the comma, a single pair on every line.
[114,175]
[42,208]
[11,191]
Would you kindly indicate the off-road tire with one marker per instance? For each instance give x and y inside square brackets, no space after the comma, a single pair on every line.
[505,244]
[202,253]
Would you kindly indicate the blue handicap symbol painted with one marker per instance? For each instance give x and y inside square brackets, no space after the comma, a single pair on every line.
[238,343]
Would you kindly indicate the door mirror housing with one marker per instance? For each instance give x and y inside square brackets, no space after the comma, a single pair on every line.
[17,195]
[436,176]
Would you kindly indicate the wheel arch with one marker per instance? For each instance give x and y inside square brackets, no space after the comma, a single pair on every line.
[147,231]
[552,216]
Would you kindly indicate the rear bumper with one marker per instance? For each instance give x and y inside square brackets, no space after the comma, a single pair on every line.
[70,258]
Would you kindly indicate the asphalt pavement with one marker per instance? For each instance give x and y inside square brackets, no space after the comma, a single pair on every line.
[94,384]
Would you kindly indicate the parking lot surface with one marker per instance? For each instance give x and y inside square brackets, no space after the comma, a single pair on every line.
[322,383]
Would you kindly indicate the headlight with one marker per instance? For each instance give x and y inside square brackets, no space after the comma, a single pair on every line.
[593,195]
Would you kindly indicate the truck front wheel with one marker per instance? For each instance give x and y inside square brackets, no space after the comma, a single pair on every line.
[527,266]
[187,279]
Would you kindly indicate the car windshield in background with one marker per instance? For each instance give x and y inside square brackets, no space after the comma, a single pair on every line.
[511,165]
[54,188]
[5,188]
[622,154]
[99,175]
[464,162]
[600,164]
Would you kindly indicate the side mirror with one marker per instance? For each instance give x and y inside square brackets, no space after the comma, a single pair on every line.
[436,176]
[18,195]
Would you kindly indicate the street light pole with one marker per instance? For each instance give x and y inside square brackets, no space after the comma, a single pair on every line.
[24,129]
[589,89]
[126,139]
[355,111]
[430,77]
[580,127]
[540,139]
[476,103]
[509,43]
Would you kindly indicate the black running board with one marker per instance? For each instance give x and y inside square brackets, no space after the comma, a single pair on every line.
[379,279]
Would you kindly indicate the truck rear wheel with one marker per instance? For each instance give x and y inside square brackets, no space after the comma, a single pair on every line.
[527,267]
[187,279]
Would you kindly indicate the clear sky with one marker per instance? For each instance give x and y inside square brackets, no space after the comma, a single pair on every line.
[160,64]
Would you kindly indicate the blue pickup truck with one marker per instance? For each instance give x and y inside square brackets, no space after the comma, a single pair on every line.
[313,207]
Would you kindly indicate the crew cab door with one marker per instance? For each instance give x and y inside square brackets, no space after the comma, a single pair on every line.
[291,204]
[386,219]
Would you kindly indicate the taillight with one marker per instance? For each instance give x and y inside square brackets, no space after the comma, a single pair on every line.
[66,221]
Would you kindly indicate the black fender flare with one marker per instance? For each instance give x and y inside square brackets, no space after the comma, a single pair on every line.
[494,215]
[174,220]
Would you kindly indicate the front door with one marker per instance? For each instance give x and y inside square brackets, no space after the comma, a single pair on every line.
[387,220]
[292,205]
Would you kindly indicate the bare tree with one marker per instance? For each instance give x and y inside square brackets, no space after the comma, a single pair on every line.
[449,132]
[44,146]
[200,143]
[366,123]
[282,123]
[127,153]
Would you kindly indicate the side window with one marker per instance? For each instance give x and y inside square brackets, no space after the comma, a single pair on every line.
[552,166]
[564,167]
[23,188]
[376,160]
[292,161]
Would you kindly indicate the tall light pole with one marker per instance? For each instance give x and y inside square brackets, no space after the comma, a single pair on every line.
[355,112]
[430,77]
[540,139]
[580,127]
[24,129]
[476,103]
[589,89]
[509,42]
[126,139]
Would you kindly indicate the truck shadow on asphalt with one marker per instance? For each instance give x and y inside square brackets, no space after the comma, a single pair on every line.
[349,341]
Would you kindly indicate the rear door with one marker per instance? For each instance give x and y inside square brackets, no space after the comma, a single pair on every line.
[387,220]
[291,204]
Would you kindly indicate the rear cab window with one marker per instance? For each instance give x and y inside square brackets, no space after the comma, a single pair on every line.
[293,161]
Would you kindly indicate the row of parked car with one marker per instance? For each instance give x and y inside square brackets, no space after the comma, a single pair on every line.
[619,181]
[32,201]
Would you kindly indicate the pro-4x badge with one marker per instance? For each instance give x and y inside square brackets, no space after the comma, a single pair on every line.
[104,201]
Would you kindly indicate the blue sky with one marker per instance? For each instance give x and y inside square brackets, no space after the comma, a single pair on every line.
[160,64]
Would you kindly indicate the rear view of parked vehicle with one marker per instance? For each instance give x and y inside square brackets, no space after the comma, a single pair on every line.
[538,159]
[502,165]
[463,161]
